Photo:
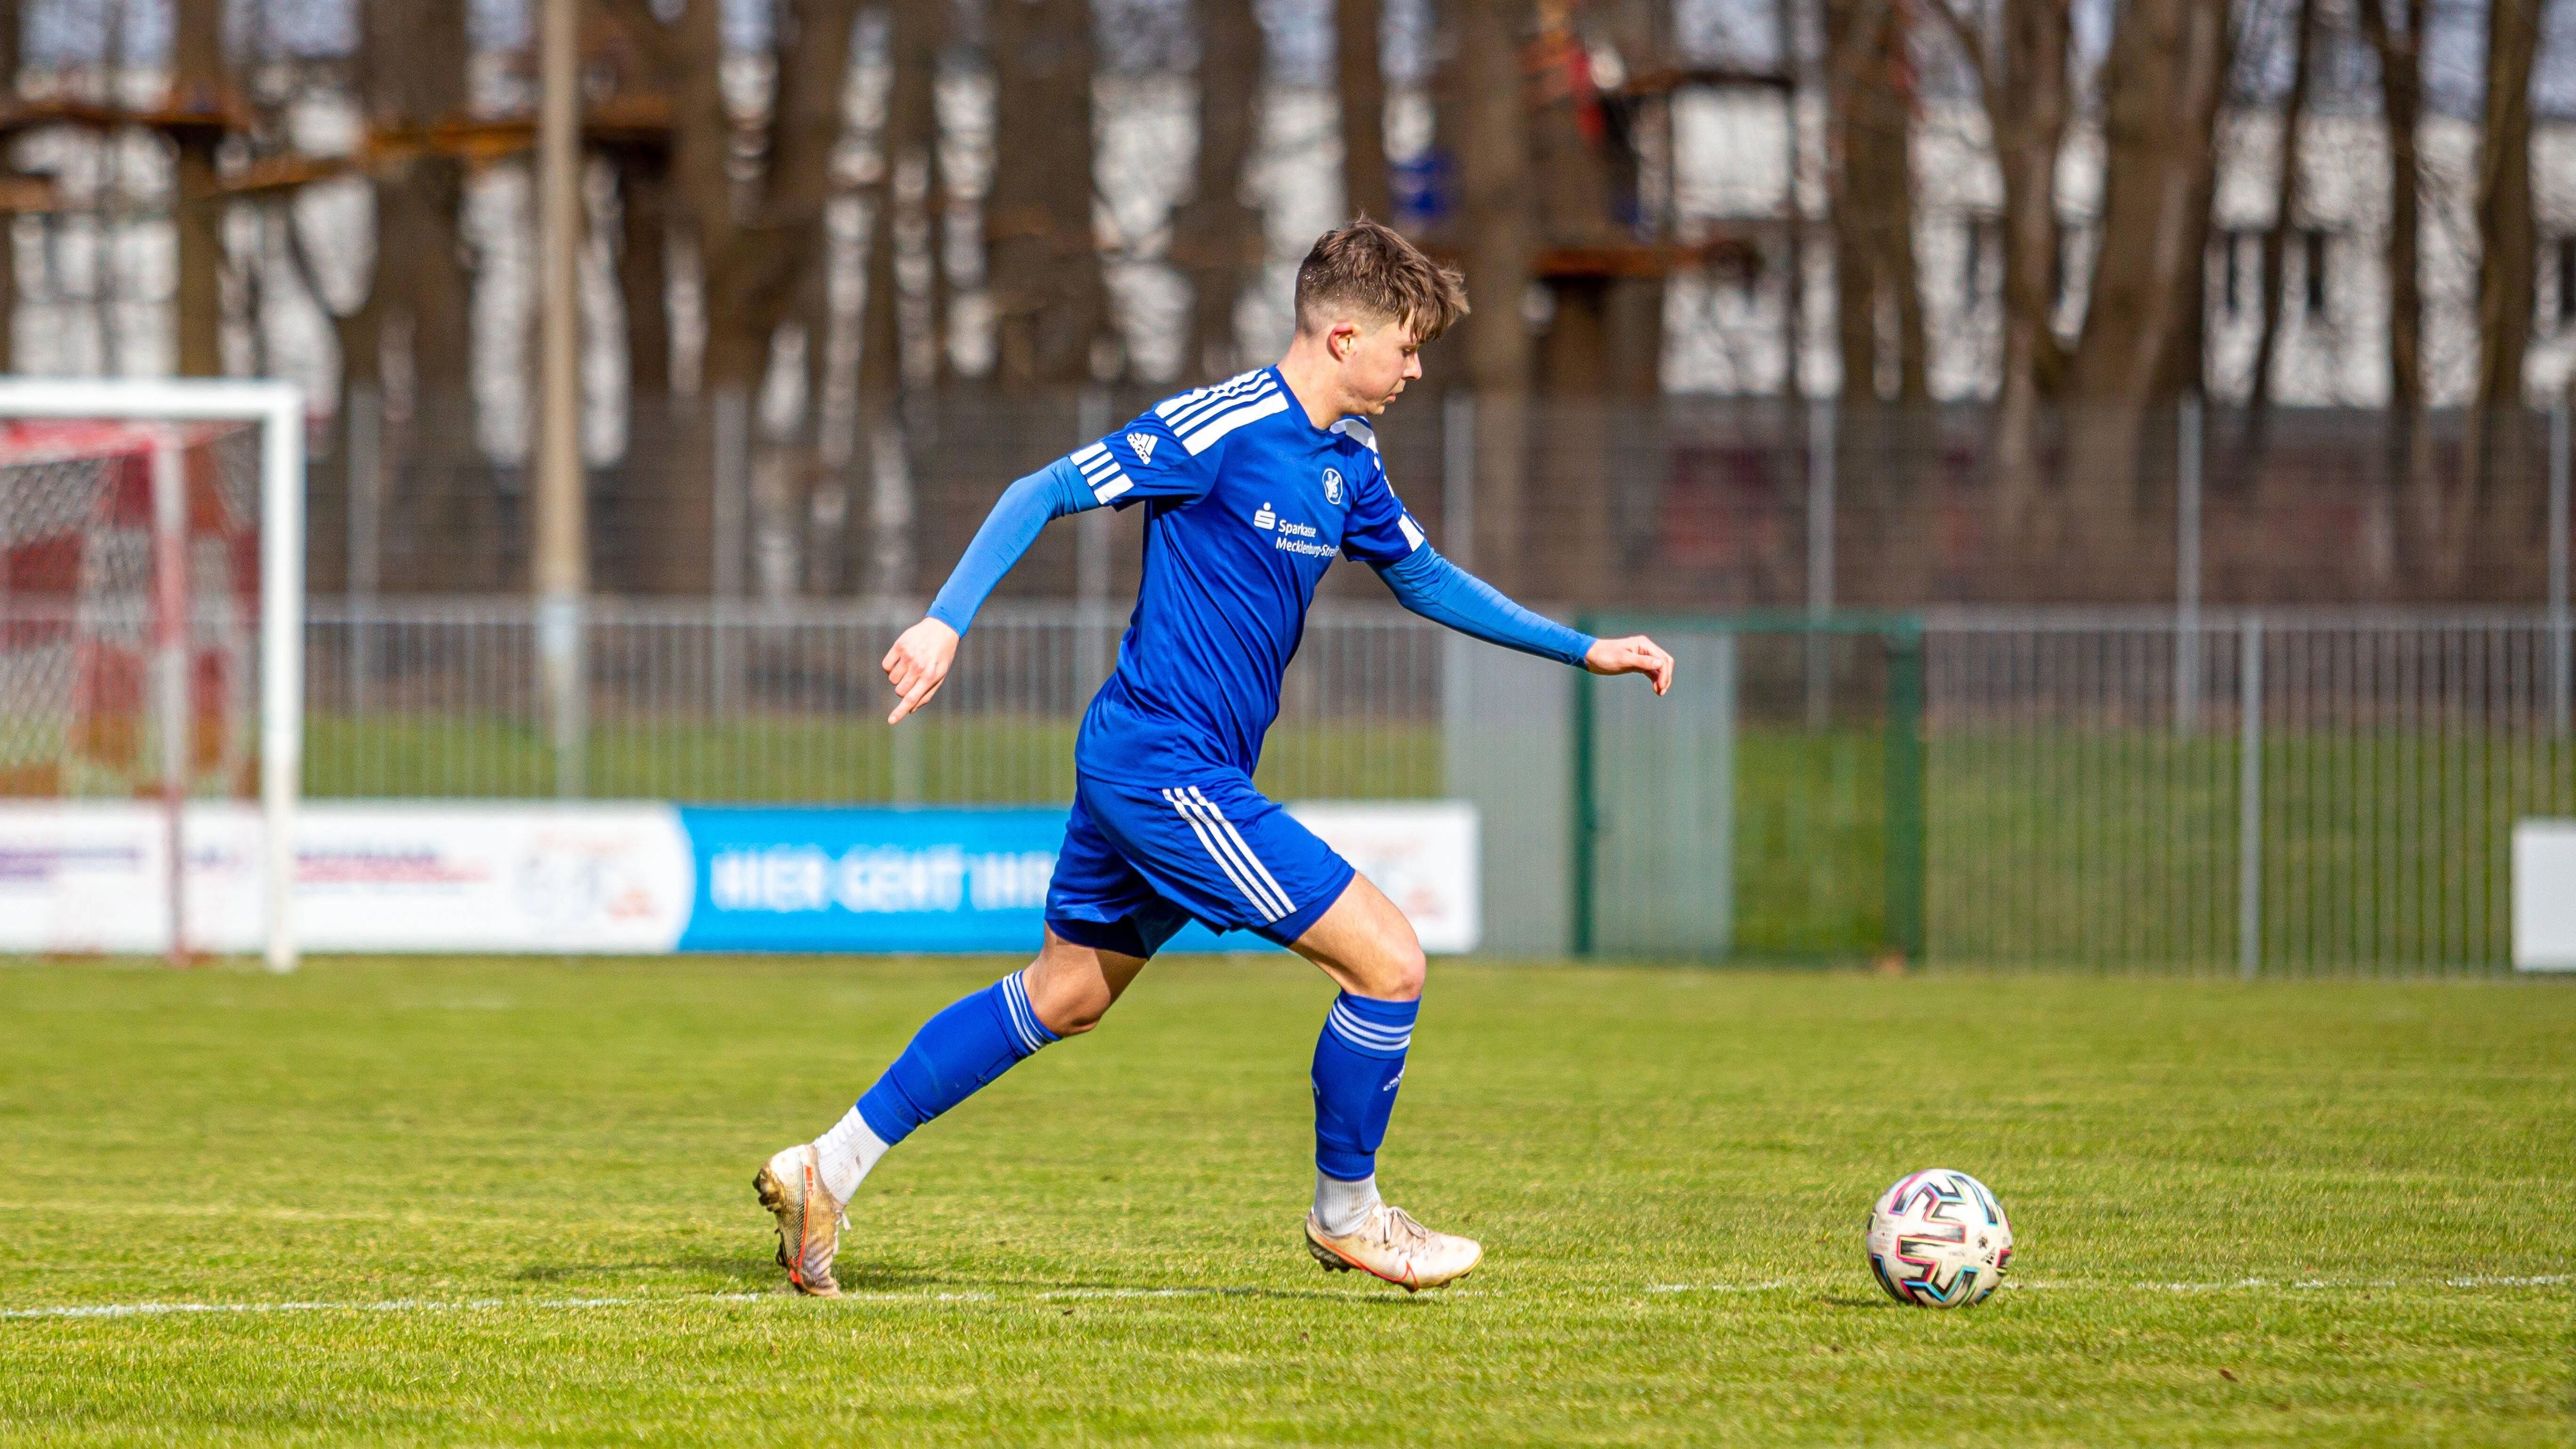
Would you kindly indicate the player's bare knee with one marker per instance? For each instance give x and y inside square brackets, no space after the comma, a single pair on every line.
[1074,1021]
[1397,968]
[1067,1005]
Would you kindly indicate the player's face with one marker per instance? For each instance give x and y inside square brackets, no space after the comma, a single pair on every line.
[1376,364]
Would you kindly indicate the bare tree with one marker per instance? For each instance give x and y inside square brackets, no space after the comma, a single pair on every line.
[2286,197]
[2026,85]
[2506,247]
[2401,90]
[1050,303]
[2142,341]
[756,241]
[900,193]
[414,62]
[405,346]
[1496,214]
[1869,108]
[199,94]
[644,268]
[1217,238]
[1367,189]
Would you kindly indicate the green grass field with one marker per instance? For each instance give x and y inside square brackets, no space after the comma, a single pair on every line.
[508,1202]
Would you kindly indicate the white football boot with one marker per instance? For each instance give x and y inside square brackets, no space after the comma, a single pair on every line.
[1391,1245]
[809,1219]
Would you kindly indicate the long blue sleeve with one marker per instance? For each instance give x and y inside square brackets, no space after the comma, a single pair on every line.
[1444,593]
[1026,507]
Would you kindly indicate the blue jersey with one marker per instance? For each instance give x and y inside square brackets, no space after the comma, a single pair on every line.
[1248,502]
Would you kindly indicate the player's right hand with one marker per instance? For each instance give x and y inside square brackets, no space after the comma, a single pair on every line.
[918,663]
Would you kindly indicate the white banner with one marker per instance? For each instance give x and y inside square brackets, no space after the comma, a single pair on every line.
[1422,853]
[82,877]
[591,877]
[2544,895]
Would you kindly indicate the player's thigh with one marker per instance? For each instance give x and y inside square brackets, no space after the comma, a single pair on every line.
[1366,945]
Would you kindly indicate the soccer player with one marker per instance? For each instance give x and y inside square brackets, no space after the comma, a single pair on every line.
[1251,487]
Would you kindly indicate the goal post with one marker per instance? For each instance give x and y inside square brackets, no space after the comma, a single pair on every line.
[276,410]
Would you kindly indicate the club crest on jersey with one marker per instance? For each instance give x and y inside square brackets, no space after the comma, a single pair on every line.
[1142,444]
[1333,486]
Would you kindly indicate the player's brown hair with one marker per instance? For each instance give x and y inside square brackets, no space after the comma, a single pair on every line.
[1370,268]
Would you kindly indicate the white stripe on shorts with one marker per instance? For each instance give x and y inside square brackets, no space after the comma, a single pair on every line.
[1285,905]
[1219,851]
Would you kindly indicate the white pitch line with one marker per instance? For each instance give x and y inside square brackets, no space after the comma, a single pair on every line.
[1148,1293]
[463,1305]
[2241,1285]
[467,1305]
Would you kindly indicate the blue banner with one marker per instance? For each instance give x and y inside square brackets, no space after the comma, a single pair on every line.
[870,879]
[882,878]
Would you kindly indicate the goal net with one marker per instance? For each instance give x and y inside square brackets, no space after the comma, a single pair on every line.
[148,650]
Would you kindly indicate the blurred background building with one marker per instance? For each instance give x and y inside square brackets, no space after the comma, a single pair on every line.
[1972,291]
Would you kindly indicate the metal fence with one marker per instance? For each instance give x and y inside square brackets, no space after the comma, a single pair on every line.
[2266,792]
[701,702]
[2285,792]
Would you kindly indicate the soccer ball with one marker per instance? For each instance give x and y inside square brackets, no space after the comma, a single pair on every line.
[1938,1239]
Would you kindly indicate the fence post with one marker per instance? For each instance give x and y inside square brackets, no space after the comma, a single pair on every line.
[1458,476]
[1585,813]
[1458,532]
[2187,536]
[2249,800]
[1091,559]
[364,468]
[1820,557]
[1904,826]
[2559,664]
[731,420]
[564,661]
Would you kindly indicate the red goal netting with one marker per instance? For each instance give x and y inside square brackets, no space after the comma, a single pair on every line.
[129,609]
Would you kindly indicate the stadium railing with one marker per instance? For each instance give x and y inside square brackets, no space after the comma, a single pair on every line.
[2283,792]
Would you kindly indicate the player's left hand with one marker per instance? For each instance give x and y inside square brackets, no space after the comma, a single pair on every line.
[1635,654]
[918,663]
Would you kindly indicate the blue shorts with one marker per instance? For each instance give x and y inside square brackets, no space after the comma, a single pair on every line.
[1139,862]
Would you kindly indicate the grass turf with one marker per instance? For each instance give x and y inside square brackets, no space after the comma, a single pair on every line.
[528,1183]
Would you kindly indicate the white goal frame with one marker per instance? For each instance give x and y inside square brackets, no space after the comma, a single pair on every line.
[278,409]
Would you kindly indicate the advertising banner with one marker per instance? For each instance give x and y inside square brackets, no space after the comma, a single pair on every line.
[542,878]
[370,876]
[632,878]
[848,879]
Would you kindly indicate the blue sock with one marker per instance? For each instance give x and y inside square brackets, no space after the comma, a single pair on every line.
[976,1039]
[1359,1060]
